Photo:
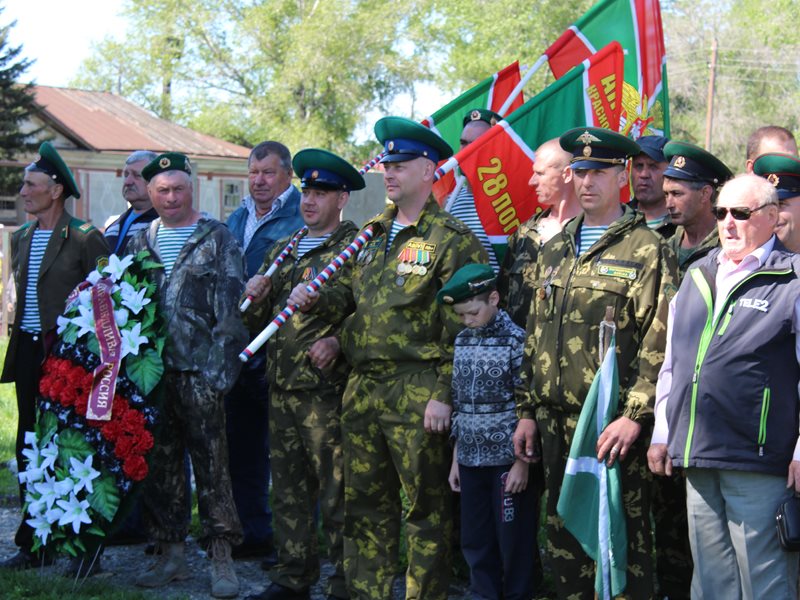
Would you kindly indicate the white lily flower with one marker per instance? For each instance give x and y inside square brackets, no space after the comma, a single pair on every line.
[132,339]
[31,475]
[49,454]
[85,298]
[75,513]
[41,527]
[64,487]
[121,317]
[83,473]
[116,266]
[53,515]
[47,491]
[36,506]
[62,323]
[85,321]
[94,277]
[134,300]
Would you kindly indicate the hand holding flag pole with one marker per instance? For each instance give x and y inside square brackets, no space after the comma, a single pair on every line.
[314,286]
[281,257]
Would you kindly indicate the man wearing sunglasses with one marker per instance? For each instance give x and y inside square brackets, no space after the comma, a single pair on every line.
[690,185]
[783,171]
[727,403]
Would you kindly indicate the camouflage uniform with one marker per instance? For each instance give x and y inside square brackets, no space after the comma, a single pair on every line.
[399,342]
[199,304]
[304,417]
[513,282]
[685,260]
[632,269]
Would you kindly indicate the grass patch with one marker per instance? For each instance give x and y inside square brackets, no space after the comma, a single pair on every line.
[32,585]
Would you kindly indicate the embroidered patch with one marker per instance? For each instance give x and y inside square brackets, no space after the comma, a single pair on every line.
[617,271]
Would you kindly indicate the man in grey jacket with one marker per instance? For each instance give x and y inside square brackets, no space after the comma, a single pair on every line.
[198,292]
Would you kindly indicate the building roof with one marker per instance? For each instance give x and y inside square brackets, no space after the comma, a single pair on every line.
[102,121]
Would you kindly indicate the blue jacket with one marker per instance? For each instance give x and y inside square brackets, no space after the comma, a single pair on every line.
[283,223]
[734,402]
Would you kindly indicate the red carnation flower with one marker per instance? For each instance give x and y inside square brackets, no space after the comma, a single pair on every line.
[135,467]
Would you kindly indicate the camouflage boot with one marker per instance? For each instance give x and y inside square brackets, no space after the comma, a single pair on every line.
[224,583]
[169,566]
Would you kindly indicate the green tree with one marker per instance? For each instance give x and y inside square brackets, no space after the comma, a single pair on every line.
[16,99]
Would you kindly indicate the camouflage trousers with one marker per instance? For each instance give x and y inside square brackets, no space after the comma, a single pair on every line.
[306,449]
[193,419]
[386,449]
[573,571]
[674,563]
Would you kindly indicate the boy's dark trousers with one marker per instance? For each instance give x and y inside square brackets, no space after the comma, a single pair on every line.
[498,533]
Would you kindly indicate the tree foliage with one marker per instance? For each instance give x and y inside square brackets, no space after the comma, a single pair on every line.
[16,101]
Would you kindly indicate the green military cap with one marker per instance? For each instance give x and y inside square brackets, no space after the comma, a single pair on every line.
[782,171]
[51,164]
[169,161]
[324,170]
[469,281]
[692,163]
[482,114]
[404,139]
[597,148]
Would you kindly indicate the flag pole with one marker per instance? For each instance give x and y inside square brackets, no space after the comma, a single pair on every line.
[518,88]
[278,261]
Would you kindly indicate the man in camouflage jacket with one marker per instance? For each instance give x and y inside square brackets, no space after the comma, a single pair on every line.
[630,271]
[399,342]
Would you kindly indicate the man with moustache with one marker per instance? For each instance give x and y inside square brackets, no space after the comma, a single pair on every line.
[140,212]
[783,172]
[270,212]
[647,175]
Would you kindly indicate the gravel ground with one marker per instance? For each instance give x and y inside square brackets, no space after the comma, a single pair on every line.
[121,565]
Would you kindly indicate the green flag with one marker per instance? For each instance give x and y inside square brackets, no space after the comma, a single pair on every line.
[591,495]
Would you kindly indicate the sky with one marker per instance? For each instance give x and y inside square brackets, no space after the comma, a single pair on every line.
[58,33]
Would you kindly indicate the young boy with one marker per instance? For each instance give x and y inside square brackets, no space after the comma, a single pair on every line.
[498,507]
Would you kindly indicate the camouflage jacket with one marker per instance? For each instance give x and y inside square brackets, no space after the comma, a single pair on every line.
[288,366]
[199,302]
[686,259]
[630,268]
[397,327]
[523,248]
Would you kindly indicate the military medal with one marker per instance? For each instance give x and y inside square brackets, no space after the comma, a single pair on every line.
[400,280]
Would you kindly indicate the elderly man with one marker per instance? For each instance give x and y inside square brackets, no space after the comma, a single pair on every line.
[140,212]
[476,122]
[198,292]
[396,407]
[50,255]
[269,213]
[727,407]
[770,138]
[307,376]
[605,258]
[647,177]
[552,180]
[783,171]
[690,184]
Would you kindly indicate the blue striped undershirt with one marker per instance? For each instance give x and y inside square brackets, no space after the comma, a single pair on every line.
[31,321]
[170,241]
[589,235]
[464,209]
[307,244]
[396,228]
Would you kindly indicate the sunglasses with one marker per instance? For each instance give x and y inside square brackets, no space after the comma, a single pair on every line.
[739,213]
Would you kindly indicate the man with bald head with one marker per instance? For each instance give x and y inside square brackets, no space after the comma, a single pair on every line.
[198,295]
[770,138]
[727,406]
[555,193]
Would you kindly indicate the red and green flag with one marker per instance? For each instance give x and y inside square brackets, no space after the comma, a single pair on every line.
[490,93]
[636,25]
[499,162]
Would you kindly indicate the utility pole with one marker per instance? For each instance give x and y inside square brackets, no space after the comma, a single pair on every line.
[712,76]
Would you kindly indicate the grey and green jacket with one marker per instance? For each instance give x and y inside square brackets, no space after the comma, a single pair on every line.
[199,302]
[734,401]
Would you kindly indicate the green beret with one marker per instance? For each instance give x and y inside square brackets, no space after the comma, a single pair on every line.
[782,171]
[481,114]
[404,139]
[691,163]
[169,161]
[469,281]
[50,163]
[324,170]
[597,148]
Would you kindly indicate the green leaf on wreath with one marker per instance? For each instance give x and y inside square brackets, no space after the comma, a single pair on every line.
[105,496]
[151,264]
[79,544]
[70,334]
[46,426]
[69,549]
[149,317]
[72,444]
[93,345]
[160,341]
[142,254]
[95,530]
[145,370]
